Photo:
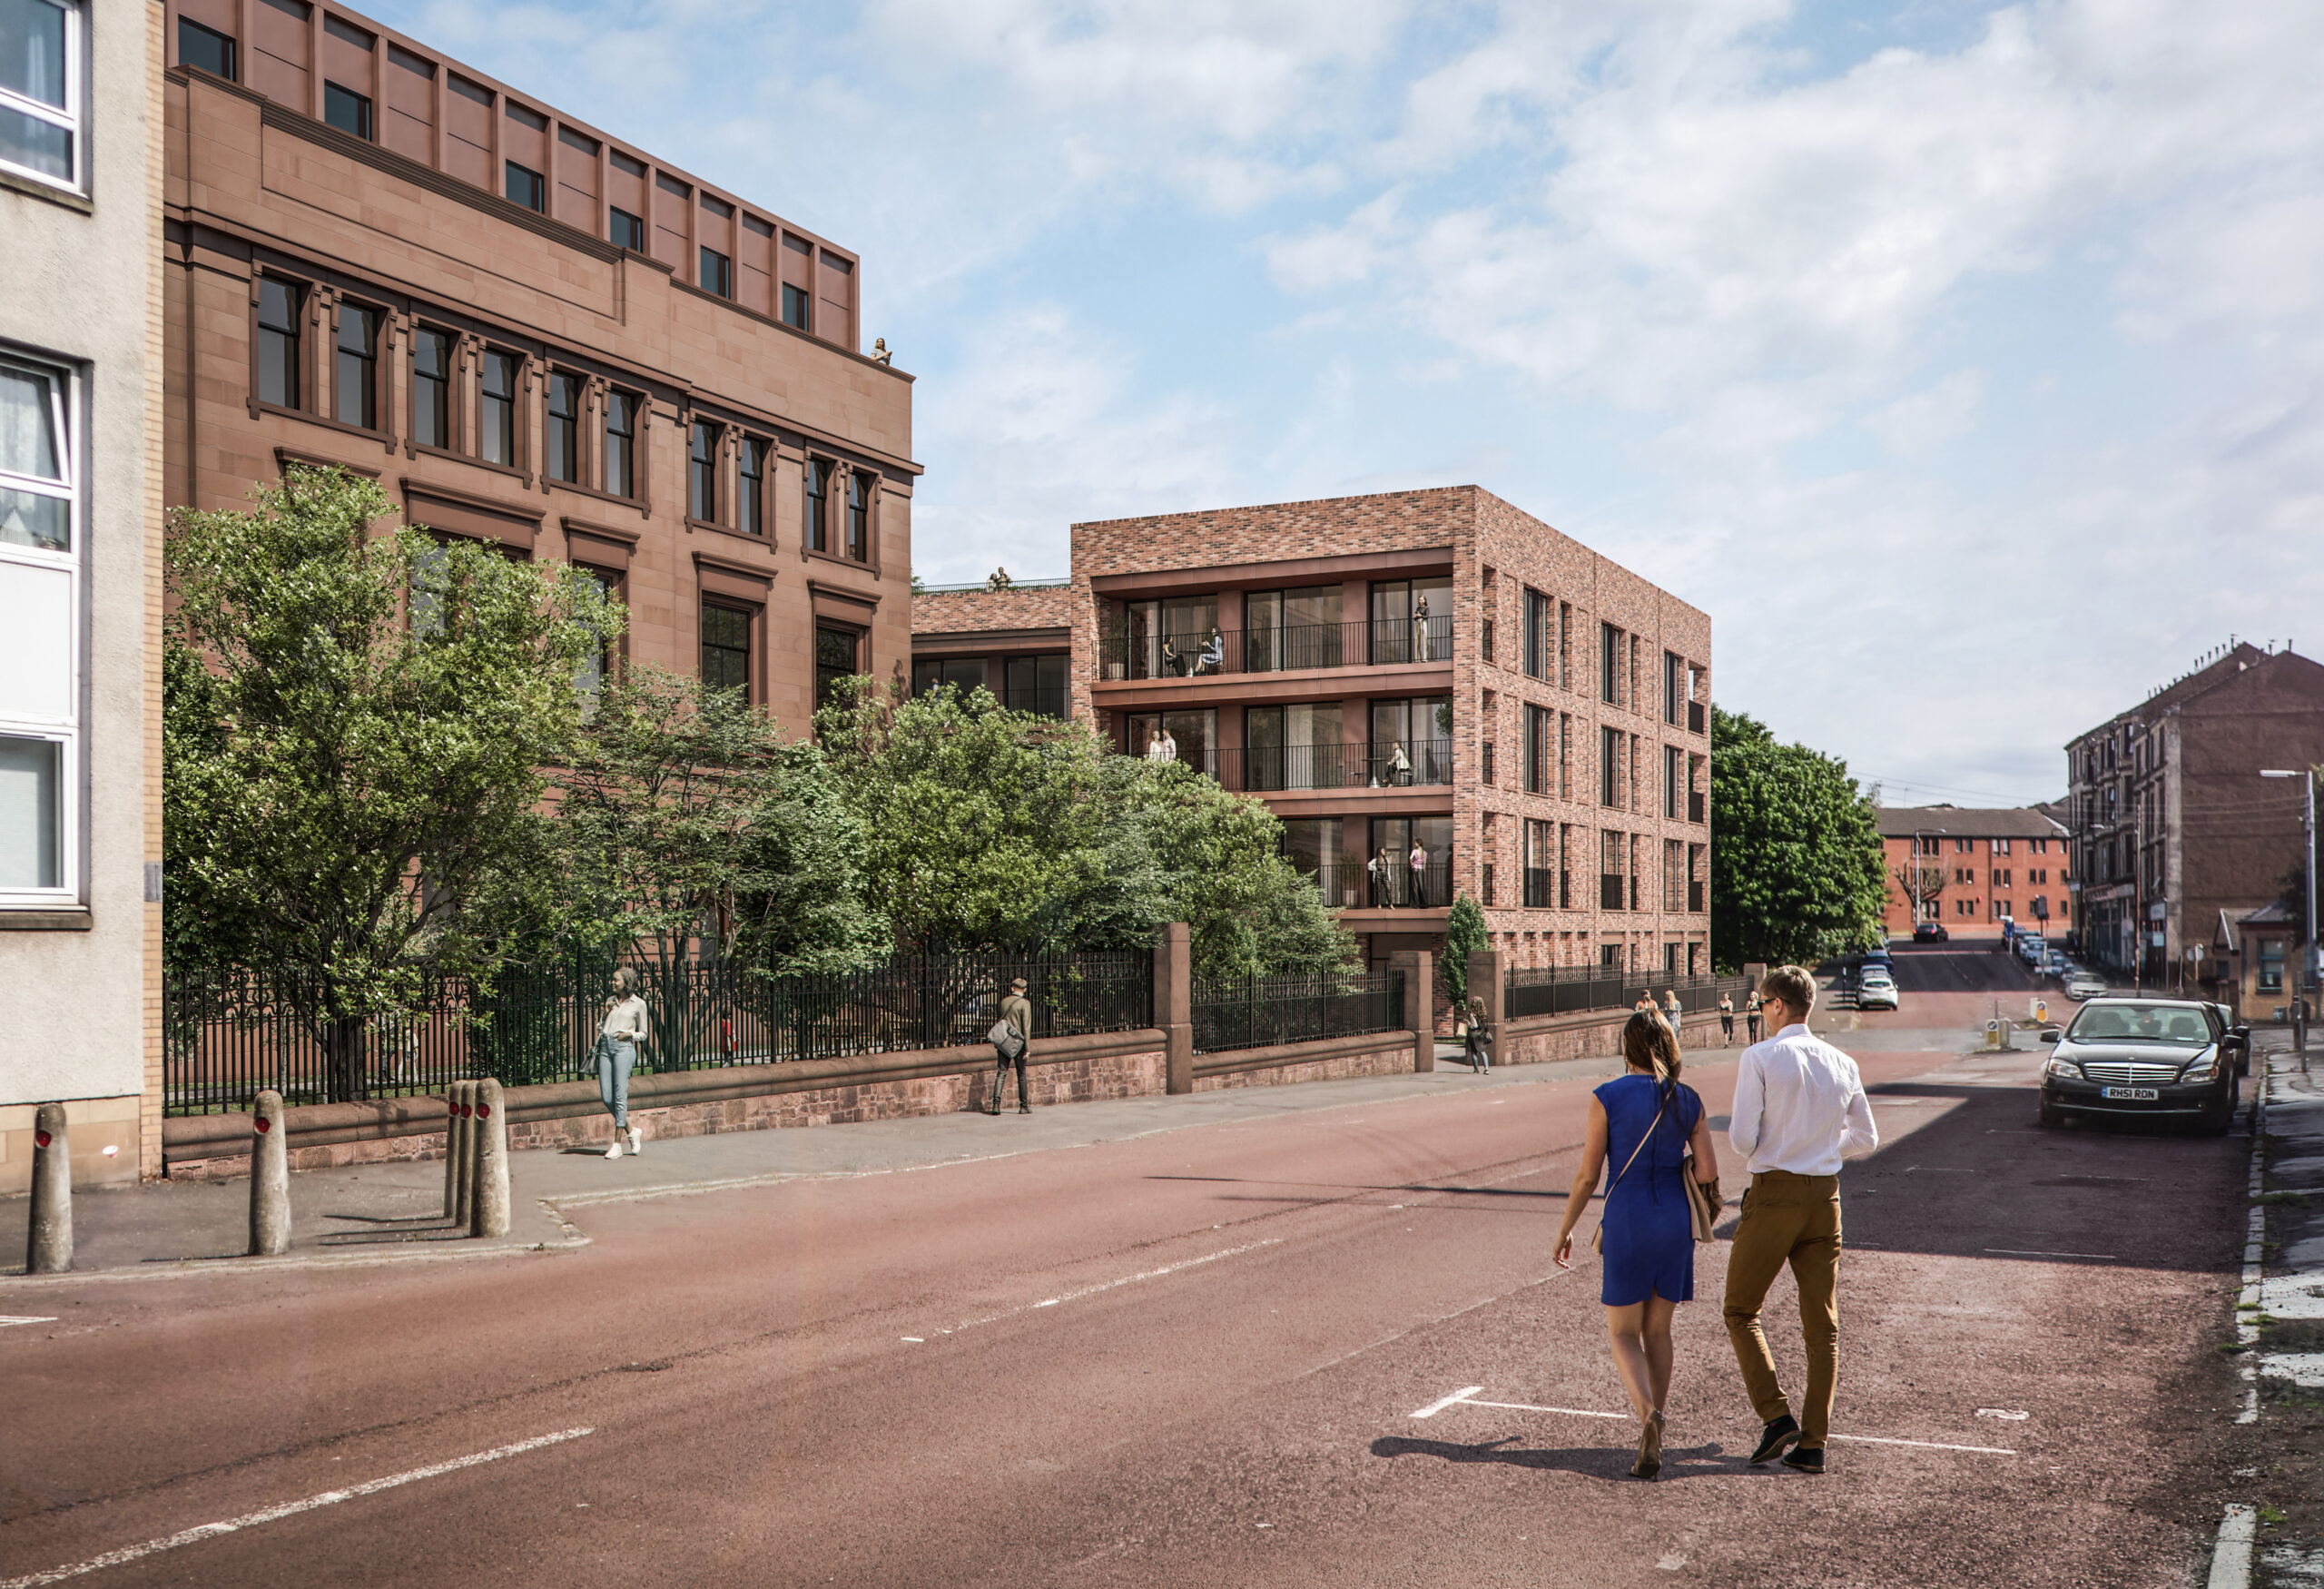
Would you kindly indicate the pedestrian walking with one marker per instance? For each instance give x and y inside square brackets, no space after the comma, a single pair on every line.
[1013,1040]
[1649,1123]
[1751,1014]
[1480,1038]
[1417,865]
[1799,1109]
[1727,1018]
[618,1037]
[1645,1005]
[1670,1008]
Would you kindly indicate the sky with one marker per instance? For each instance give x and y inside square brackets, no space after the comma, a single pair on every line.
[1964,362]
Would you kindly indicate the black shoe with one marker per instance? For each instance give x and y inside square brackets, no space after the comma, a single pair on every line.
[1024,1109]
[1806,1458]
[1777,1438]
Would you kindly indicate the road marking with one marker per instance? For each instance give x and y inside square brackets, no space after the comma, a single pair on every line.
[1933,1170]
[1434,1408]
[288,1509]
[2026,1252]
[2231,1557]
[5,1320]
[1467,1397]
[2002,1412]
[1169,1268]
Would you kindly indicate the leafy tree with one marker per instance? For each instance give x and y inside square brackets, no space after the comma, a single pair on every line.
[1797,872]
[687,822]
[1464,934]
[991,829]
[352,782]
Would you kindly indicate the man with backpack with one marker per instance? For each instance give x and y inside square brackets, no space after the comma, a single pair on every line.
[1012,1040]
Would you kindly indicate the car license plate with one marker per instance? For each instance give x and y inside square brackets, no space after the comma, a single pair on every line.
[2135,1094]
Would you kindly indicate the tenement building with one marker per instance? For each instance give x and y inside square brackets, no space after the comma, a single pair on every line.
[530,332]
[1439,695]
[2171,823]
[1970,870]
[80,583]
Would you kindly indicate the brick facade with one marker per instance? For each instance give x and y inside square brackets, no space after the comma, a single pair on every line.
[1982,866]
[411,224]
[1492,554]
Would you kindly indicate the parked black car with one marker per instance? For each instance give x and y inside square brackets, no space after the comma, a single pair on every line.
[2152,1058]
[1930,933]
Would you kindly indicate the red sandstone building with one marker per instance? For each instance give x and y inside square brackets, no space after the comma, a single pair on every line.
[531,332]
[1430,668]
[1970,870]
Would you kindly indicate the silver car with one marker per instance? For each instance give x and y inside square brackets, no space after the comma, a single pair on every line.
[1877,991]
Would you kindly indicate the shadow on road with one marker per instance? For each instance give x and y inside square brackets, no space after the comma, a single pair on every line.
[1983,1181]
[1607,1462]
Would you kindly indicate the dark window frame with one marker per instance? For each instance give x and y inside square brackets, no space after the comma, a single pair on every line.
[350,112]
[815,504]
[730,654]
[750,484]
[623,230]
[622,443]
[715,272]
[489,359]
[703,437]
[446,437]
[366,356]
[284,355]
[826,673]
[524,187]
[857,507]
[563,433]
[223,46]
[803,320]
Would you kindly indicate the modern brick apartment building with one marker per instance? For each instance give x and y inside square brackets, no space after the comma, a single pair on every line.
[1014,639]
[1968,869]
[532,332]
[1430,667]
[80,583]
[2172,823]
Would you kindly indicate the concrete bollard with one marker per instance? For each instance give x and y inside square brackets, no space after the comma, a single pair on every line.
[270,1177]
[464,1187]
[50,1250]
[452,1161]
[489,1208]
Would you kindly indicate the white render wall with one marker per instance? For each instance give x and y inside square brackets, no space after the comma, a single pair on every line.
[81,285]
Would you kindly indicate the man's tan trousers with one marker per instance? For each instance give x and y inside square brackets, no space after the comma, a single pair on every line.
[1788,1219]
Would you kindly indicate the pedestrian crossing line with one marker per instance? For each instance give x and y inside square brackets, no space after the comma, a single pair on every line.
[7,1319]
[1468,1397]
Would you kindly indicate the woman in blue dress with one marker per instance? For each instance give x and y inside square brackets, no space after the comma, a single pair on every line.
[1641,1126]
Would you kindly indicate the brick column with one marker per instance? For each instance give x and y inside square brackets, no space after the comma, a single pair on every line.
[1419,967]
[1486,983]
[1174,1005]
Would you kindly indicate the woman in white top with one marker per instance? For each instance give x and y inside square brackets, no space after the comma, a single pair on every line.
[618,1041]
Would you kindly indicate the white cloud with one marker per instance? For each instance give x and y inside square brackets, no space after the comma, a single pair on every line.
[1919,424]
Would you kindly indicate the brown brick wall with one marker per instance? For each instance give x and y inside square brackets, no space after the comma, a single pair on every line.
[954,612]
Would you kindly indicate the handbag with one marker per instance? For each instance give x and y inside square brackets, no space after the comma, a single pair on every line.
[1004,1037]
[1598,1237]
[1699,1205]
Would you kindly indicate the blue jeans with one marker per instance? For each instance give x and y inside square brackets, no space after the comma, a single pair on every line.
[615,1057]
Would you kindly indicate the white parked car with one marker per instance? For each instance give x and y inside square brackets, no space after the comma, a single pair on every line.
[2082,984]
[1877,991]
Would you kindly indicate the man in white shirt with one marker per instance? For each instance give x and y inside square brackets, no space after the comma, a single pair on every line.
[1799,1109]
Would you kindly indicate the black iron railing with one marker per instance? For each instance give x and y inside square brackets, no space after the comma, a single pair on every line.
[227,1037]
[1557,990]
[1380,764]
[1280,648]
[1259,1011]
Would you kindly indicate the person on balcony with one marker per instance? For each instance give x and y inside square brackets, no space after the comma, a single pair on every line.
[1417,863]
[1214,653]
[1421,650]
[1384,885]
[1400,766]
[1172,663]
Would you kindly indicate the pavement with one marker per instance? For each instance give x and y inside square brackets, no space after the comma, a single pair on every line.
[2281,1325]
[1298,1336]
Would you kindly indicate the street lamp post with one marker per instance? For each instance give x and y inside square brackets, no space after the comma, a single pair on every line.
[2309,967]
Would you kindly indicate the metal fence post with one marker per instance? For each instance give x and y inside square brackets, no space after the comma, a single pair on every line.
[488,1205]
[49,1251]
[270,1177]
[1174,1005]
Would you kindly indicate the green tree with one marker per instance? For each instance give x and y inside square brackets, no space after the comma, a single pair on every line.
[689,825]
[986,828]
[1464,934]
[1797,872]
[352,785]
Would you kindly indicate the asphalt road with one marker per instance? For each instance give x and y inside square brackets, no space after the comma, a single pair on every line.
[1196,1358]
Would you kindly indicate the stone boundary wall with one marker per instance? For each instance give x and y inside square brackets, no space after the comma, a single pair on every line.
[1540,1040]
[1374,1053]
[685,1103]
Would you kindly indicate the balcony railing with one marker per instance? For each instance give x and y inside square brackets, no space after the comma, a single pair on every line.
[1349,886]
[1537,897]
[1695,717]
[1366,643]
[1273,769]
[1694,805]
[1695,898]
[1610,891]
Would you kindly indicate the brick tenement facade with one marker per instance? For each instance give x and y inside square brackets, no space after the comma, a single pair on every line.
[2171,823]
[1015,642]
[1547,706]
[528,333]
[1974,869]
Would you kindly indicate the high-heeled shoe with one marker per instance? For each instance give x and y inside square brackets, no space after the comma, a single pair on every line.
[1650,1446]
